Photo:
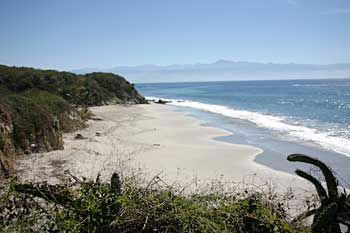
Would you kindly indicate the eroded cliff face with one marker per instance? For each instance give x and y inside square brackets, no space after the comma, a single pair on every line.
[28,128]
[7,149]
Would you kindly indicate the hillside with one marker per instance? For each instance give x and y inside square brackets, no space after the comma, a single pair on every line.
[38,106]
[83,90]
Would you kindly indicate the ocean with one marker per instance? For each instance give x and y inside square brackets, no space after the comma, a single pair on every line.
[281,117]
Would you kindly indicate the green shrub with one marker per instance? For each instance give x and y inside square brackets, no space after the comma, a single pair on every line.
[83,90]
[100,207]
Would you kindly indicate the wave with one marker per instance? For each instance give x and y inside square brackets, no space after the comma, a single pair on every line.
[310,85]
[276,123]
[321,85]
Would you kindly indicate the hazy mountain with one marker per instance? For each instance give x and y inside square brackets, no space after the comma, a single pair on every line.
[227,70]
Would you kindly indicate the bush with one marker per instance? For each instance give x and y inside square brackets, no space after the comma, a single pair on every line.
[83,90]
[100,207]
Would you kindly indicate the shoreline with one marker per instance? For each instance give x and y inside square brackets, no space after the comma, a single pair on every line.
[275,149]
[154,138]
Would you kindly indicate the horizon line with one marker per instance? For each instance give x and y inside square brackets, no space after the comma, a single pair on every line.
[174,64]
[209,63]
[250,80]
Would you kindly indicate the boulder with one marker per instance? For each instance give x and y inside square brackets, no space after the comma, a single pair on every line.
[79,137]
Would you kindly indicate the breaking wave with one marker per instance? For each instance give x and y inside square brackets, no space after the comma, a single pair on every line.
[276,123]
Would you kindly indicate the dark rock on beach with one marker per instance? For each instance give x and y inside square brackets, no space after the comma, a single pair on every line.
[160,101]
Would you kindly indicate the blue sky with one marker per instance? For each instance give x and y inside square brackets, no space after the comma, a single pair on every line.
[70,34]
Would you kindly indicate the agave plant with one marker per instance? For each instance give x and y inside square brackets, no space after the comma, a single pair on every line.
[335,206]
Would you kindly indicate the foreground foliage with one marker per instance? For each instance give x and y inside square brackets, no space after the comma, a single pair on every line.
[95,206]
[335,206]
[100,207]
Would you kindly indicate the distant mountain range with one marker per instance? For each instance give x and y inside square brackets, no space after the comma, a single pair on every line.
[224,70]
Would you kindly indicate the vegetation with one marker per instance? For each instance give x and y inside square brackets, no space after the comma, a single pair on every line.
[84,206]
[334,208]
[84,90]
[124,206]
[37,106]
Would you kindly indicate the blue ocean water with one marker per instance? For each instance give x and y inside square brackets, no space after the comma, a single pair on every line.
[314,112]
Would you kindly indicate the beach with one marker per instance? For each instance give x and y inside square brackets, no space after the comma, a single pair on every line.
[153,139]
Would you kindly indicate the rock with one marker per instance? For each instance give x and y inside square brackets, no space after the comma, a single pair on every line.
[79,137]
[6,167]
[98,134]
[160,101]
[156,144]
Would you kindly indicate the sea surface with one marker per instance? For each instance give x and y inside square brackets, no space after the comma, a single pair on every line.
[281,117]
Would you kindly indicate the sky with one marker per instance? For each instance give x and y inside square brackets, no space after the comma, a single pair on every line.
[72,34]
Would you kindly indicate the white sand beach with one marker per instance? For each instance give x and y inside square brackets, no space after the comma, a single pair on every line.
[156,139]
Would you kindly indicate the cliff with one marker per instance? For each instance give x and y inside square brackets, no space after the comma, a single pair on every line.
[38,106]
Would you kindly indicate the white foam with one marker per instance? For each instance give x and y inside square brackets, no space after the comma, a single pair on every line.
[310,85]
[276,123]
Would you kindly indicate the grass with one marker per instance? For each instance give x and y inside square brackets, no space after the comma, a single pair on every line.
[93,206]
[53,104]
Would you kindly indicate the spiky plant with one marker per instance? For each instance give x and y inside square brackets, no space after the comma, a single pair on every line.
[334,208]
